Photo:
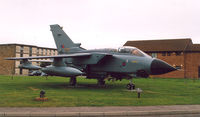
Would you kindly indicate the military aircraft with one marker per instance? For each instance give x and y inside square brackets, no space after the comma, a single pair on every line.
[73,60]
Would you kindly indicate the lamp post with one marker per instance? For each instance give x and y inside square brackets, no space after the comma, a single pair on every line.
[42,92]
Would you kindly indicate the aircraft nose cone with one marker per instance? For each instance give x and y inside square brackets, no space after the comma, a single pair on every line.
[160,67]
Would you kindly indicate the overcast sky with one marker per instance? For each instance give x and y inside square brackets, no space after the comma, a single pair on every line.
[98,23]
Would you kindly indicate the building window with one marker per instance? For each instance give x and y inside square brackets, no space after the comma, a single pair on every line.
[30,51]
[178,67]
[178,53]
[154,55]
[164,54]
[21,51]
[20,71]
[50,52]
[169,53]
[46,52]
[37,51]
[53,52]
[41,51]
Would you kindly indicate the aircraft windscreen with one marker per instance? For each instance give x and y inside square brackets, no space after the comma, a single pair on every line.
[131,50]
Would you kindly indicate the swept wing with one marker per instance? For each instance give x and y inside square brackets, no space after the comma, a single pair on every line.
[56,56]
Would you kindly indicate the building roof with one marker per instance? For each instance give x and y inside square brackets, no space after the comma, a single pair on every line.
[165,45]
[194,48]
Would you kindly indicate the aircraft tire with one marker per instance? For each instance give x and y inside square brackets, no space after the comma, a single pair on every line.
[130,86]
[101,82]
[72,81]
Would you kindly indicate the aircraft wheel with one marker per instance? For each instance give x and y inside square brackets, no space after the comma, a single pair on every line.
[130,86]
[72,81]
[101,82]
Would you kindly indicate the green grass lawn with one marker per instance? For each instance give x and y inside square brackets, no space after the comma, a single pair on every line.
[22,90]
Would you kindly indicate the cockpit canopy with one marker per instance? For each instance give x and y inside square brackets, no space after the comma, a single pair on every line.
[131,50]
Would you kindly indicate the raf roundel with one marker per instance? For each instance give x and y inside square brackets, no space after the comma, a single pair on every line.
[123,63]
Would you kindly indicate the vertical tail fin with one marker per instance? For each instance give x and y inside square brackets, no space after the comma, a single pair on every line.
[63,42]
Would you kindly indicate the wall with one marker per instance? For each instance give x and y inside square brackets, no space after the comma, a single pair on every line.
[36,51]
[192,64]
[7,67]
[173,60]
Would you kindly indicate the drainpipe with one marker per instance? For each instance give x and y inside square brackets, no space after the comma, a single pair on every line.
[184,59]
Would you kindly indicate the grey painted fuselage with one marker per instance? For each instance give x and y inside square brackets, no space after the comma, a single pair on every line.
[124,62]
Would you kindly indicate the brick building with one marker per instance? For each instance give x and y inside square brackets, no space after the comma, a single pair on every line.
[8,67]
[180,53]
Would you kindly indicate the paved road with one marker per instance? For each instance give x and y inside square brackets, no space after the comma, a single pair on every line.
[136,111]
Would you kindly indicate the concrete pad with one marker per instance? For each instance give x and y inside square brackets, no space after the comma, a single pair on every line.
[170,112]
[99,111]
[67,114]
[42,114]
[91,114]
[136,113]
[2,114]
[17,114]
[122,113]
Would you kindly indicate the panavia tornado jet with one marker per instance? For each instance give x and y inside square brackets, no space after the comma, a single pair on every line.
[73,60]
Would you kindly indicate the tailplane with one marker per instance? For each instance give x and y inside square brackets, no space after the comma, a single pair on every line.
[63,42]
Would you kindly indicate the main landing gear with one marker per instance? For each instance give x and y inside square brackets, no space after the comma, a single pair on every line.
[101,82]
[72,81]
[130,86]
